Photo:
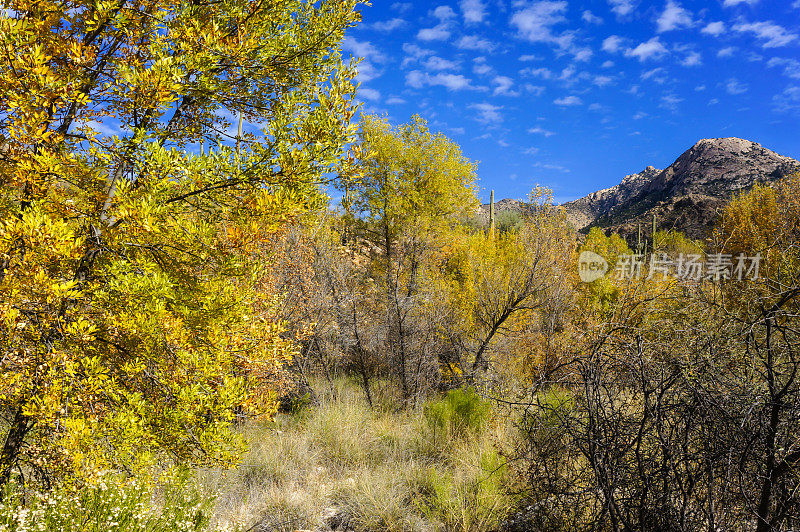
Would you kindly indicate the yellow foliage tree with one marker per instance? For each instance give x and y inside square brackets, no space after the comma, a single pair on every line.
[132,320]
[415,189]
[765,221]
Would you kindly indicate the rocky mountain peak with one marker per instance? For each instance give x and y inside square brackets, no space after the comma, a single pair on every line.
[584,211]
[687,193]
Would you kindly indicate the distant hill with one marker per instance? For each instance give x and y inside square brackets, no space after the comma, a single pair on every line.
[502,206]
[686,196]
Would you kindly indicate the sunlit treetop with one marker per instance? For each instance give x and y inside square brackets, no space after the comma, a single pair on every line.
[133,319]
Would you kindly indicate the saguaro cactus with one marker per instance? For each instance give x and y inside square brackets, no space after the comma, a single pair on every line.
[491,214]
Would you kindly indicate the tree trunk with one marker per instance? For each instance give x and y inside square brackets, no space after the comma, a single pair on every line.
[770,471]
[391,295]
[15,438]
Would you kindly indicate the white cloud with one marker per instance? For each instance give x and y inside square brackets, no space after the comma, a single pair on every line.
[109,130]
[652,49]
[568,101]
[529,57]
[369,94]
[474,11]
[541,72]
[612,44]
[726,52]
[441,31]
[714,29]
[693,59]
[602,81]
[503,86]
[437,63]
[570,74]
[536,90]
[402,6]
[791,67]
[670,101]
[591,18]
[733,86]
[555,167]
[437,33]
[473,42]
[444,13]
[394,100]
[414,53]
[387,26]
[363,49]
[674,17]
[535,22]
[640,115]
[582,54]
[367,71]
[622,8]
[481,67]
[416,79]
[788,100]
[540,131]
[454,82]
[658,75]
[607,64]
[771,35]
[487,112]
[730,3]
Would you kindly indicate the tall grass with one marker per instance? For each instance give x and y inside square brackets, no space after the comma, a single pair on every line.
[340,464]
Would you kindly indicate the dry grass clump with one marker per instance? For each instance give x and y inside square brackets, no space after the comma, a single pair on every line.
[341,465]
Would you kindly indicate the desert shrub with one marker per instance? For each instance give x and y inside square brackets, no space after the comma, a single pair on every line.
[466,499]
[460,412]
[509,222]
[112,504]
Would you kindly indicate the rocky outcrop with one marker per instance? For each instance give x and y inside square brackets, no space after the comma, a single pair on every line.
[686,195]
[583,212]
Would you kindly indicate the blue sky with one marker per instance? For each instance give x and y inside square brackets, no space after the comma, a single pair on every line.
[574,95]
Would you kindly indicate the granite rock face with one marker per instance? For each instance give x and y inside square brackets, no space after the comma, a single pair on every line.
[688,194]
[583,212]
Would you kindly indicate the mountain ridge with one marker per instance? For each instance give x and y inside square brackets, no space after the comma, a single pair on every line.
[686,195]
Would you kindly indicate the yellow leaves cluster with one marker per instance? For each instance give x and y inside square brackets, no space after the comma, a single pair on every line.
[137,317]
